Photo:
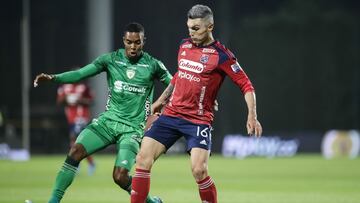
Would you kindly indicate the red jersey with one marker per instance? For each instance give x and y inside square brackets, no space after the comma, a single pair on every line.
[201,71]
[72,94]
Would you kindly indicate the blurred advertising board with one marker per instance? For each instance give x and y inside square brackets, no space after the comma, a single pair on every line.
[240,146]
[341,143]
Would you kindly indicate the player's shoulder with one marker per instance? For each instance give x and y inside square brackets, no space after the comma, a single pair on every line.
[151,60]
[224,53]
[106,56]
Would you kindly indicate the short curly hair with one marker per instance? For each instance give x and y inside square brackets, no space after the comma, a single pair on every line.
[134,27]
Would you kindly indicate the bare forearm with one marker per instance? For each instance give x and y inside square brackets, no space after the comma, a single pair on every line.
[250,99]
[165,96]
[253,125]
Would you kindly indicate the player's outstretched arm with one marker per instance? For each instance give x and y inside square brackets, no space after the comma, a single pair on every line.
[253,125]
[42,77]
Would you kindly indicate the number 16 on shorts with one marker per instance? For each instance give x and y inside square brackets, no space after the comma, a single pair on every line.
[205,132]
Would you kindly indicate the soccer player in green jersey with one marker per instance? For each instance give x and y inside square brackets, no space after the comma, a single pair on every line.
[130,76]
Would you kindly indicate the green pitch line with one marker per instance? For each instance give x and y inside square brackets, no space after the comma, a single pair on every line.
[302,179]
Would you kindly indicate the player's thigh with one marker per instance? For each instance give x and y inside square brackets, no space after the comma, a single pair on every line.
[162,134]
[151,149]
[96,136]
[91,141]
[127,148]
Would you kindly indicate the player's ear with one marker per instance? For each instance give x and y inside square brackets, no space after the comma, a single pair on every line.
[144,40]
[211,27]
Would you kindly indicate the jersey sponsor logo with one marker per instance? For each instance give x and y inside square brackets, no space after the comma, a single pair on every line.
[186,46]
[130,73]
[191,66]
[207,50]
[147,107]
[236,67]
[188,76]
[120,86]
[204,58]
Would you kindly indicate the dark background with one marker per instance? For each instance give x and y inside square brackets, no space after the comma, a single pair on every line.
[302,57]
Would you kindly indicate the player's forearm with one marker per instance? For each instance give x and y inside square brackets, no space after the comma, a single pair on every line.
[165,96]
[77,75]
[250,99]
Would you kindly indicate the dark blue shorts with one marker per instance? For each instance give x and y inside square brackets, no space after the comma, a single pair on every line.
[167,130]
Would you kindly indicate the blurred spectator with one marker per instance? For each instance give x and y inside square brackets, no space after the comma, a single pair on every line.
[76,99]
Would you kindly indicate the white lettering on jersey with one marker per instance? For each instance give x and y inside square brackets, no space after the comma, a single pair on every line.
[186,46]
[187,76]
[207,50]
[201,100]
[120,86]
[191,66]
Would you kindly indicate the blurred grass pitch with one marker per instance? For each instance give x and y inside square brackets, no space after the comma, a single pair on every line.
[301,179]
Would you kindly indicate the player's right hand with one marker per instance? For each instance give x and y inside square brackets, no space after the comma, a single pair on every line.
[42,77]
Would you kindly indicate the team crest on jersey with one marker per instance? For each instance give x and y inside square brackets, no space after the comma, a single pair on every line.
[130,73]
[183,53]
[204,58]
[236,67]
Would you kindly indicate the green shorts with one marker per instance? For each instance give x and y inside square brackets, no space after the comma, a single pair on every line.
[103,132]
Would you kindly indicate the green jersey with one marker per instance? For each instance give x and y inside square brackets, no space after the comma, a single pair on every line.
[131,84]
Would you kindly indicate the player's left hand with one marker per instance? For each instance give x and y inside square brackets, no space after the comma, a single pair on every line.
[253,127]
[42,77]
[216,105]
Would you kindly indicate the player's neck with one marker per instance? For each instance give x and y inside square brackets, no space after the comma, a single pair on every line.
[207,41]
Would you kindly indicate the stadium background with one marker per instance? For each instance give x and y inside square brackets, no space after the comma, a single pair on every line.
[302,56]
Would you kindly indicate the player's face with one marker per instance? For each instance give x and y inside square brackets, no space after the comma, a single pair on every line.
[199,30]
[133,42]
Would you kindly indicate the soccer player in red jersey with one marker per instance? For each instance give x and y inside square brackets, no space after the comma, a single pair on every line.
[203,64]
[77,98]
